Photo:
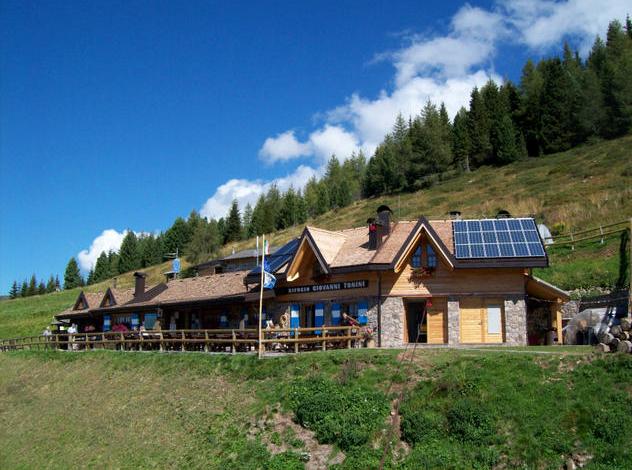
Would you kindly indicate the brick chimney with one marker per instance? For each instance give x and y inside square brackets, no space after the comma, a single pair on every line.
[139,283]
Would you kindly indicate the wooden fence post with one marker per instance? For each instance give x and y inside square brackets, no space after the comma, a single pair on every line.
[162,344]
[296,345]
[205,341]
[182,348]
[233,347]
[324,336]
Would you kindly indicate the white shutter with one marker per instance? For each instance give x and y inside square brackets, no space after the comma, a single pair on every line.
[494,320]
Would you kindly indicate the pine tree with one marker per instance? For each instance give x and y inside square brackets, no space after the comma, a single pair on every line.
[72,275]
[57,283]
[32,288]
[90,278]
[41,289]
[129,257]
[557,132]
[113,260]
[233,224]
[461,140]
[288,214]
[15,291]
[531,85]
[479,127]
[271,213]
[246,222]
[24,290]
[204,243]
[258,217]
[301,209]
[50,285]
[616,82]
[177,236]
[311,197]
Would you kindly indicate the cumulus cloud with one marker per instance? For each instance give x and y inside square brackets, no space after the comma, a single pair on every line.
[283,147]
[248,191]
[543,23]
[108,240]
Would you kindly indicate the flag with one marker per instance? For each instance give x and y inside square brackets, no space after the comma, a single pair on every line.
[269,280]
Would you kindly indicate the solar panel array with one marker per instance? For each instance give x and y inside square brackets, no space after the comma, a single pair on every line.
[497,238]
[277,259]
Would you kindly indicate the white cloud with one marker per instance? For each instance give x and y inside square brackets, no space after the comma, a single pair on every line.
[108,240]
[332,140]
[283,147]
[542,23]
[248,191]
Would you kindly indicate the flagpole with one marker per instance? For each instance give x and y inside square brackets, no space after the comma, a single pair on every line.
[263,254]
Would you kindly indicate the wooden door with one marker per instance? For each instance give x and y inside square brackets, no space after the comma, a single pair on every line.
[471,320]
[437,323]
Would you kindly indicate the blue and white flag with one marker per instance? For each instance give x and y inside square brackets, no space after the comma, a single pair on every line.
[269,281]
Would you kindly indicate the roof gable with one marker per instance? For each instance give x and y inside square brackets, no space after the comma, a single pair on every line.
[423,226]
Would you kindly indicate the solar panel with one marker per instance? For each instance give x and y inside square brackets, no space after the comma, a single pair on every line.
[281,256]
[497,238]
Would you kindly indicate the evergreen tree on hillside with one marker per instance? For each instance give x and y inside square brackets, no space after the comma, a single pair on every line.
[461,147]
[150,250]
[90,278]
[323,199]
[616,82]
[233,224]
[32,289]
[246,222]
[289,212]
[50,285]
[557,132]
[479,128]
[14,291]
[72,275]
[24,290]
[221,228]
[301,208]
[258,217]
[431,136]
[57,283]
[102,268]
[205,242]
[531,85]
[311,197]
[129,257]
[177,236]
[271,212]
[41,289]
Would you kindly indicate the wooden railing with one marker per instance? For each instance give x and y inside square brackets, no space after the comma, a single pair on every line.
[221,340]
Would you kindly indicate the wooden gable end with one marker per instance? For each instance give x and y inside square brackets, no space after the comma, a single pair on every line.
[81,303]
[306,257]
[108,299]
[423,236]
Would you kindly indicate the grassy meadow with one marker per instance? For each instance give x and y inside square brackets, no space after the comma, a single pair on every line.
[461,409]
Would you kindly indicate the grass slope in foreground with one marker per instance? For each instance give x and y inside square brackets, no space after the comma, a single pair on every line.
[468,409]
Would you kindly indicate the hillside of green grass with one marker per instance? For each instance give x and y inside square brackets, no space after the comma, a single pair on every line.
[574,190]
[461,409]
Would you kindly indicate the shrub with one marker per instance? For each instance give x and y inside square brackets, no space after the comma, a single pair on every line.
[343,415]
[469,421]
[422,426]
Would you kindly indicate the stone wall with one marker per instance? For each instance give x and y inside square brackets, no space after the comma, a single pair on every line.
[453,321]
[392,322]
[516,321]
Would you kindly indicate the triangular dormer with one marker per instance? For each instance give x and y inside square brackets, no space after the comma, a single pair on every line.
[81,303]
[316,249]
[422,237]
[108,299]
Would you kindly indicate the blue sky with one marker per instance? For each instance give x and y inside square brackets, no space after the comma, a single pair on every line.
[125,115]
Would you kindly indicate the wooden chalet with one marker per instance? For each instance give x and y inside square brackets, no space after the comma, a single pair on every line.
[428,281]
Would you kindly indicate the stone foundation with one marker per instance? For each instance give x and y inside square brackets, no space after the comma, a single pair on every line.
[393,322]
[516,321]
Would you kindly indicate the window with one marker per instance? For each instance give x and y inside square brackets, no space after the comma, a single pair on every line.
[150,320]
[416,261]
[493,320]
[431,256]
